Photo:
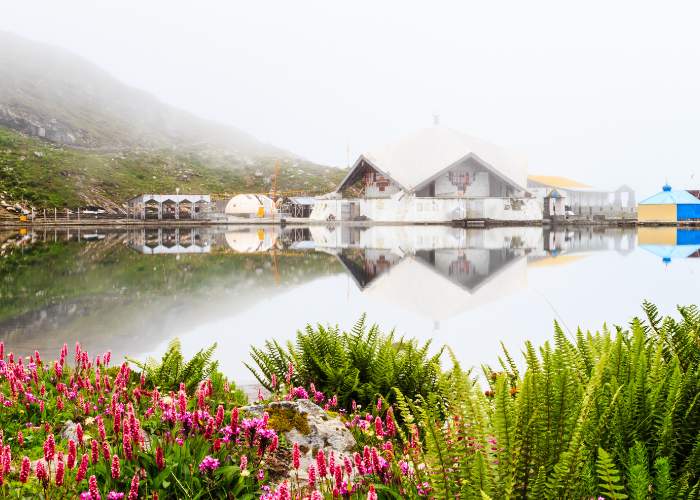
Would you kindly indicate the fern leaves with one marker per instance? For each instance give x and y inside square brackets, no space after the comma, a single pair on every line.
[609,477]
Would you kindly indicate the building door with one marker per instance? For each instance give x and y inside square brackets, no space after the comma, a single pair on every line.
[347,210]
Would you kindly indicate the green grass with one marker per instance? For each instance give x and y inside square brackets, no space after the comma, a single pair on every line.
[71,177]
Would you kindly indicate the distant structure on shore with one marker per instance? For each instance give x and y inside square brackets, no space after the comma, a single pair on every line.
[670,205]
[582,199]
[437,174]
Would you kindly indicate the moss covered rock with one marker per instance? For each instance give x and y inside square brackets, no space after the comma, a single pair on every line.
[310,426]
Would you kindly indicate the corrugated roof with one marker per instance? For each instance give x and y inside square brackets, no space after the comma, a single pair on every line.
[556,181]
[412,161]
[301,200]
[671,197]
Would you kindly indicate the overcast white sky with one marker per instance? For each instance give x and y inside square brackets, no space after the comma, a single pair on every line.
[603,92]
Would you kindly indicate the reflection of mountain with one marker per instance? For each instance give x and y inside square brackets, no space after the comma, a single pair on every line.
[107,295]
[670,243]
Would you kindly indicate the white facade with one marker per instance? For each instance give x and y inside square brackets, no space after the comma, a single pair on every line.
[402,207]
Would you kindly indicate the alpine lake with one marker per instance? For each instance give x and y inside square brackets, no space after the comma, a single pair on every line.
[133,290]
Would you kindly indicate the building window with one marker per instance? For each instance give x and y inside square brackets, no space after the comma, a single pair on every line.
[462,178]
[369,178]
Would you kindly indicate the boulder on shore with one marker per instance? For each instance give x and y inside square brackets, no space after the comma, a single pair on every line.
[311,427]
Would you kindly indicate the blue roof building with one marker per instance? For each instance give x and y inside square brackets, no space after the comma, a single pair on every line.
[669,205]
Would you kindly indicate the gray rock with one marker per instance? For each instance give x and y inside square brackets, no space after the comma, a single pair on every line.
[68,431]
[327,433]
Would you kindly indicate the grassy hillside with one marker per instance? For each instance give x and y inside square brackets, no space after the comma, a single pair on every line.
[72,134]
[59,175]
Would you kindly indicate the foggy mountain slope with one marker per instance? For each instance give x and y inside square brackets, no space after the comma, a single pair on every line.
[50,93]
[73,135]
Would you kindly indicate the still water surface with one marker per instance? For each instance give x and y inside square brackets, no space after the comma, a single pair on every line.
[133,290]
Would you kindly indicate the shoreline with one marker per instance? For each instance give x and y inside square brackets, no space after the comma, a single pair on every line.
[474,223]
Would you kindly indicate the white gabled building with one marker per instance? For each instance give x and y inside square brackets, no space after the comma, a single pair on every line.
[434,175]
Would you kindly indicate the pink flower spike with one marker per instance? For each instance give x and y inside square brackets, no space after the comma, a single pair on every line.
[296,456]
[24,470]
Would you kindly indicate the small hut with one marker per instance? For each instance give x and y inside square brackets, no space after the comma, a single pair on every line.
[298,206]
[249,205]
[554,207]
[670,205]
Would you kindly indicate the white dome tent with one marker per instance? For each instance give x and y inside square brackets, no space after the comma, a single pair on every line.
[249,205]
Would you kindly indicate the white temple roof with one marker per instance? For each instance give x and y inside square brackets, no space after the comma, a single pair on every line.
[414,160]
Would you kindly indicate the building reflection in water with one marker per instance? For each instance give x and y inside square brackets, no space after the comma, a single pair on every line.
[670,243]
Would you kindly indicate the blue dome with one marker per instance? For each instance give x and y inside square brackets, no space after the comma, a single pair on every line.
[667,187]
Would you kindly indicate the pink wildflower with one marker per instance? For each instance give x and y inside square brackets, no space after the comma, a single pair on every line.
[348,465]
[94,492]
[41,470]
[321,464]
[71,454]
[338,474]
[316,495]
[49,448]
[60,469]
[219,416]
[367,459]
[115,467]
[134,491]
[290,372]
[312,476]
[359,465]
[82,470]
[20,438]
[79,434]
[379,428]
[210,429]
[371,495]
[284,492]
[375,459]
[105,451]
[234,419]
[24,471]
[244,462]
[101,428]
[296,456]
[159,458]
[95,451]
[127,445]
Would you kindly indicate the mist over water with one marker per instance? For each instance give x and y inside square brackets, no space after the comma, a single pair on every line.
[133,290]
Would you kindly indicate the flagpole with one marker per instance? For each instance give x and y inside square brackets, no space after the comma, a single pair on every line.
[274,191]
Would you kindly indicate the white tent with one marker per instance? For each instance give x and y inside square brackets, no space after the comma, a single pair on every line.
[414,160]
[248,204]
